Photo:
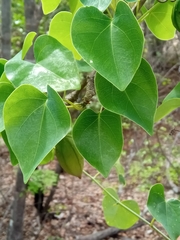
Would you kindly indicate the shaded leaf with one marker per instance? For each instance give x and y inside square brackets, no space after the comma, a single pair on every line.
[5,90]
[69,157]
[13,158]
[138,102]
[165,212]
[98,138]
[38,121]
[113,47]
[49,157]
[2,63]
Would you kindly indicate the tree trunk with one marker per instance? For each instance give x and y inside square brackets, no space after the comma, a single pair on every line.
[15,231]
[6,29]
[33,15]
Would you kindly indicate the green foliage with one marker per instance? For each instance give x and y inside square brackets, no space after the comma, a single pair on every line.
[104,130]
[109,45]
[49,54]
[69,157]
[41,180]
[127,102]
[115,214]
[34,119]
[165,212]
[101,5]
[159,23]
[39,123]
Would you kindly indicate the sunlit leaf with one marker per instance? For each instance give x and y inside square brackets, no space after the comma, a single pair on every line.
[115,214]
[60,28]
[55,66]
[100,4]
[49,5]
[159,20]
[28,41]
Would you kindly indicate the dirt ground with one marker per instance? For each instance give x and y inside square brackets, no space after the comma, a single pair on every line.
[77,203]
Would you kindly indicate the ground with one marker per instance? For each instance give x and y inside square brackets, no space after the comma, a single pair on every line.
[77,202]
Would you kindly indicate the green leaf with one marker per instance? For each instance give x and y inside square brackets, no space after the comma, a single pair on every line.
[53,64]
[98,138]
[166,108]
[169,104]
[75,5]
[49,157]
[100,4]
[83,66]
[159,21]
[13,158]
[165,212]
[138,102]
[28,42]
[115,214]
[60,27]
[69,157]
[175,93]
[113,47]
[2,63]
[49,5]
[34,124]
[5,90]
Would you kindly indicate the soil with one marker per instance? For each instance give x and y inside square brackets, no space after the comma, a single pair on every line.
[77,203]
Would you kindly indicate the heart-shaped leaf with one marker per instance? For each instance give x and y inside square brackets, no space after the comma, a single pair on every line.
[5,90]
[55,66]
[28,42]
[49,6]
[115,214]
[60,28]
[98,138]
[165,212]
[113,47]
[129,103]
[159,20]
[69,157]
[100,4]
[34,124]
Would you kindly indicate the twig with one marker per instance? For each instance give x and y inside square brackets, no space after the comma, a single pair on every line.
[111,231]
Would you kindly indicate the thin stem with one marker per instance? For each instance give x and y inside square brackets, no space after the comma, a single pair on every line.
[124,206]
[109,13]
[152,221]
[147,13]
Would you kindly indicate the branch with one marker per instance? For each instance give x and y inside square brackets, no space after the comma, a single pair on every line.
[109,232]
